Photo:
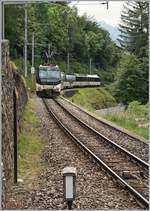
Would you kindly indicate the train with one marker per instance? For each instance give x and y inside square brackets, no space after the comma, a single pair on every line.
[50,80]
[80,80]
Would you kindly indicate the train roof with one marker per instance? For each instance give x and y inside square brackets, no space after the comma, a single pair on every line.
[49,66]
[85,75]
[70,74]
[93,76]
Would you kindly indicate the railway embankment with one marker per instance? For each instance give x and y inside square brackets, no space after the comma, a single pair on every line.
[13,93]
[90,98]
[121,136]
[133,117]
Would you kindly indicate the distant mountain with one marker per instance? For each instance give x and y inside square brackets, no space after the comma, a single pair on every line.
[113,30]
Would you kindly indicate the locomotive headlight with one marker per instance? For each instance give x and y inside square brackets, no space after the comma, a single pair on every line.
[38,87]
[57,87]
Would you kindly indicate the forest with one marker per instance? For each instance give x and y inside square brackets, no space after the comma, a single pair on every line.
[123,68]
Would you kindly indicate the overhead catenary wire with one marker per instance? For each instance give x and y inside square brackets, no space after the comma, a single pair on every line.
[98,3]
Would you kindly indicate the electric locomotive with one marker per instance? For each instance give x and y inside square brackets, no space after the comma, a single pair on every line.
[48,80]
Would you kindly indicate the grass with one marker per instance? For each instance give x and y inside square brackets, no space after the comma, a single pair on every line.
[30,146]
[91,99]
[128,121]
[31,83]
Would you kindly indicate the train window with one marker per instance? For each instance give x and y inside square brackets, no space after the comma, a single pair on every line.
[49,73]
[42,74]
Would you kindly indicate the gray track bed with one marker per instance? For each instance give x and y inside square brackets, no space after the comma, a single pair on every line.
[134,145]
[134,174]
[95,189]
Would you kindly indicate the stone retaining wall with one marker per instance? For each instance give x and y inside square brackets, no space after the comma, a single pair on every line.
[7,112]
[10,81]
[21,95]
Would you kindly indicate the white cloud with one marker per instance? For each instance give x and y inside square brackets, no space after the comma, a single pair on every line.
[99,12]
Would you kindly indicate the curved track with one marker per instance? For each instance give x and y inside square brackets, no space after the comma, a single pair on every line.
[122,165]
[133,144]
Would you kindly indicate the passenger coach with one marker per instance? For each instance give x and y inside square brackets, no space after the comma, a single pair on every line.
[80,80]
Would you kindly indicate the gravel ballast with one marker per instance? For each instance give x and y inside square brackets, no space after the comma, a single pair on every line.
[95,189]
[114,158]
[137,147]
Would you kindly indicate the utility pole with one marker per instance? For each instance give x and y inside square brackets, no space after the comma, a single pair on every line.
[3,21]
[1,169]
[26,40]
[68,62]
[33,49]
[49,49]
[68,47]
[90,65]
[107,5]
[49,52]
[32,68]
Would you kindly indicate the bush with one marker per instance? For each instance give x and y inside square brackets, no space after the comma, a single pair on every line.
[92,98]
[131,83]
[137,109]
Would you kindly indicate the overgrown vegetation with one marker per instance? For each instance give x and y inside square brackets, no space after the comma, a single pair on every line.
[91,98]
[30,146]
[31,83]
[131,80]
[135,118]
[132,72]
[60,26]
[30,80]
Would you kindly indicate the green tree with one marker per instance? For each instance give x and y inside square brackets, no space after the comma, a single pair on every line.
[131,82]
[134,27]
[60,25]
[14,29]
[132,75]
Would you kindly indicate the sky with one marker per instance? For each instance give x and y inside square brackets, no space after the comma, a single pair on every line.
[99,12]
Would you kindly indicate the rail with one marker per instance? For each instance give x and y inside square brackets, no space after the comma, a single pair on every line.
[143,201]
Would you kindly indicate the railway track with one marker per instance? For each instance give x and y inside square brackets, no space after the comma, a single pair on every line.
[130,171]
[133,144]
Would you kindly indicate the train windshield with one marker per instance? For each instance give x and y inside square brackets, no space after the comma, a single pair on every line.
[49,73]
